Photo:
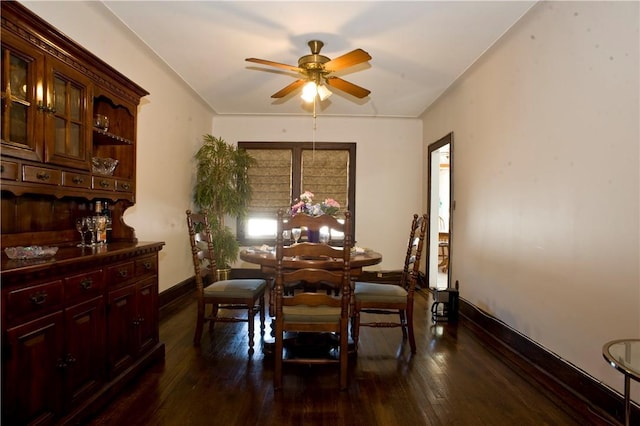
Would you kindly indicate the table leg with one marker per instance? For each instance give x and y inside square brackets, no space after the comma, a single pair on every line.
[627,405]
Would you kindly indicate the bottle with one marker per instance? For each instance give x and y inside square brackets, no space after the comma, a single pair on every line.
[101,224]
[107,214]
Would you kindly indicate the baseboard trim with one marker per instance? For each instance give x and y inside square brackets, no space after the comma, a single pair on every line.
[578,389]
[172,294]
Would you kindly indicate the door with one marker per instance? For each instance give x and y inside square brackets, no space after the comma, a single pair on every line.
[33,371]
[440,209]
[121,336]
[147,314]
[67,122]
[22,111]
[84,355]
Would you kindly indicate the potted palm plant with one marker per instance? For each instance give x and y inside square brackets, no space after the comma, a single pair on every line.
[223,189]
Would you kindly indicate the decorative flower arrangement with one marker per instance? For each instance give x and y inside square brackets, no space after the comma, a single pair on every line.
[305,205]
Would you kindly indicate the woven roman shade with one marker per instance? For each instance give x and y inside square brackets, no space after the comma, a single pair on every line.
[270,181]
[326,174]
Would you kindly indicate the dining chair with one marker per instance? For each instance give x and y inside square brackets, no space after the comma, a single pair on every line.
[322,303]
[392,298]
[443,245]
[231,294]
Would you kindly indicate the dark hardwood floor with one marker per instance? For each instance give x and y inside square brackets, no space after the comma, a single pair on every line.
[453,379]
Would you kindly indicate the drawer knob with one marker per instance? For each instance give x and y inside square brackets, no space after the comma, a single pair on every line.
[86,284]
[104,183]
[43,175]
[70,359]
[126,186]
[39,298]
[148,265]
[123,273]
[77,180]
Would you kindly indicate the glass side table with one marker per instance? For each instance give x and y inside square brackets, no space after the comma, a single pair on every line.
[624,356]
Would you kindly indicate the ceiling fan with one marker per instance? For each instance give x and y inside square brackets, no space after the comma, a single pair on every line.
[316,70]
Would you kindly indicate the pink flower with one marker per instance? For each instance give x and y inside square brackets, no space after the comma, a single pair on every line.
[297,208]
[330,202]
[306,197]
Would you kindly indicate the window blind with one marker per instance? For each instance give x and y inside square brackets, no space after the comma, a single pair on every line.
[326,174]
[270,181]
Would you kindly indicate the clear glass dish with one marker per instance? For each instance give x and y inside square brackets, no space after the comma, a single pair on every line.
[104,166]
[30,252]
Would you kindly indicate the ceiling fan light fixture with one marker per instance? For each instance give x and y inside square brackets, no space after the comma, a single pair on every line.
[309,91]
[323,92]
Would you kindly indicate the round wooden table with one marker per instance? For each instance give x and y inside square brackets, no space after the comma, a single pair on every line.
[267,261]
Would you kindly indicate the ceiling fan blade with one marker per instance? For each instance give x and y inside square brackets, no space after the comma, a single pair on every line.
[288,89]
[350,59]
[274,64]
[350,88]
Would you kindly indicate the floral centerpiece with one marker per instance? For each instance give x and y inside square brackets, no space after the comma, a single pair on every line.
[305,205]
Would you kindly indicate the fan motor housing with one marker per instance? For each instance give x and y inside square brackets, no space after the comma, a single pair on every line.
[313,62]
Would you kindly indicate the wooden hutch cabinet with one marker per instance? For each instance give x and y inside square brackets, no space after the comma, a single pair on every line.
[76,326]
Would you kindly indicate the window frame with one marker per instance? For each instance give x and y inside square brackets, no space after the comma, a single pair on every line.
[296,149]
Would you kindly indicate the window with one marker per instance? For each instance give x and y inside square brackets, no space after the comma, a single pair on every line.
[284,170]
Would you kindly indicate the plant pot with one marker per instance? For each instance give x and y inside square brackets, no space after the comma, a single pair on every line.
[223,274]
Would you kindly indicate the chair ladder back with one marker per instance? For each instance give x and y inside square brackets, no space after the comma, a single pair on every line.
[417,234]
[204,263]
[316,278]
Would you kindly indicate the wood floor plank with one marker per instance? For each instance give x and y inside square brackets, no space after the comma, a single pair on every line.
[453,379]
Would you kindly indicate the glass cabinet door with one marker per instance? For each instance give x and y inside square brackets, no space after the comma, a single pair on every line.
[22,66]
[68,124]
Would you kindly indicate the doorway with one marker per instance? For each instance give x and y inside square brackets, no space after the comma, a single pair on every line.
[439,208]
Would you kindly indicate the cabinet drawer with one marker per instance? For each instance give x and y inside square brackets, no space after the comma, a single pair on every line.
[42,175]
[76,180]
[9,170]
[83,286]
[147,266]
[104,183]
[120,273]
[33,299]
[124,186]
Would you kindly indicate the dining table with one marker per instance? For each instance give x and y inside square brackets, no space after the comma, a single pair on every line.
[266,258]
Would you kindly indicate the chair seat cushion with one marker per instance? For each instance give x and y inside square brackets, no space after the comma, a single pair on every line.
[238,288]
[311,314]
[382,293]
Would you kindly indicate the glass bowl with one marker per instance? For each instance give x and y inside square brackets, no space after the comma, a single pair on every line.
[104,166]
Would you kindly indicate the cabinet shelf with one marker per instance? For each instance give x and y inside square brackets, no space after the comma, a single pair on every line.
[100,137]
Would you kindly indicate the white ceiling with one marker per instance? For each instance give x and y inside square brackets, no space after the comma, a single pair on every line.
[418,48]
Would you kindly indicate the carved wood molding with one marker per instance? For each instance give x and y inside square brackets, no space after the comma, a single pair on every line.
[22,23]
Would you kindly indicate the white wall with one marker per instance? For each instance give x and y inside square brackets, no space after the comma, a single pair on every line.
[546,175]
[171,121]
[388,169]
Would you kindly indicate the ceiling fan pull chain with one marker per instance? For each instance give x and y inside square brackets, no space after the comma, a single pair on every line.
[313,138]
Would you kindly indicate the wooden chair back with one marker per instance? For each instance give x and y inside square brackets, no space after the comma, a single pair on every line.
[320,286]
[411,269]
[202,251]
